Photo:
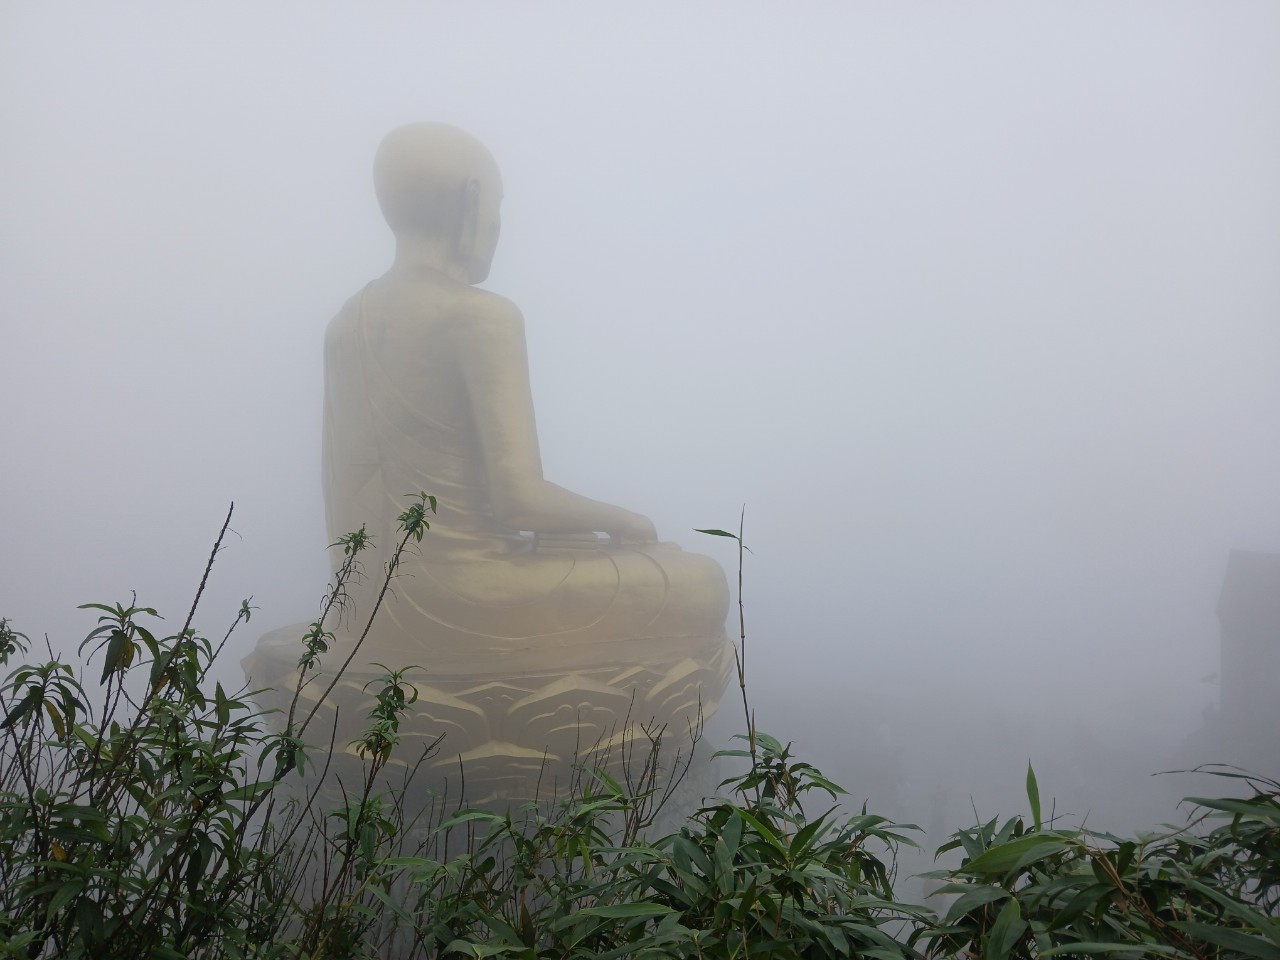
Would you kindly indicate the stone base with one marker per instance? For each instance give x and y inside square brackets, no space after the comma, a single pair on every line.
[511,732]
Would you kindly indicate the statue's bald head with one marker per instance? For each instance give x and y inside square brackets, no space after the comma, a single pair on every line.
[429,176]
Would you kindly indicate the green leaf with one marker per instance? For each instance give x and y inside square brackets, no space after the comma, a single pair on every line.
[722,857]
[1237,940]
[117,655]
[717,533]
[59,727]
[1033,795]
[96,606]
[731,835]
[809,834]
[1231,906]
[1261,807]
[1005,932]
[1086,948]
[839,942]
[971,899]
[221,705]
[34,697]
[761,829]
[1080,902]
[952,844]
[1124,856]
[390,903]
[480,950]
[767,743]
[1016,854]
[614,788]
[466,816]
[65,893]
[249,791]
[622,911]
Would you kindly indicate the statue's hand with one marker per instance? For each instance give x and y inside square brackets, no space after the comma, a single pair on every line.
[632,526]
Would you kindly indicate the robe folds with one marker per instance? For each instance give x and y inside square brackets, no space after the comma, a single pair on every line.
[473,588]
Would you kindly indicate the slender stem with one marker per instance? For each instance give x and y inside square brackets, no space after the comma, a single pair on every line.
[386,585]
[740,651]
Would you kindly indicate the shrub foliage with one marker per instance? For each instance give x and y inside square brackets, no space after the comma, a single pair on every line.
[145,812]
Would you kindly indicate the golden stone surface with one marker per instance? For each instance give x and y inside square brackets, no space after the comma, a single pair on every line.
[541,621]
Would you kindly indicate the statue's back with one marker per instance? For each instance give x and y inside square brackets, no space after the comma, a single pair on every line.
[398,418]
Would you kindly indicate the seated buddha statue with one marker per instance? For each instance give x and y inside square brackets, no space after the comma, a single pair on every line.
[427,389]
[533,610]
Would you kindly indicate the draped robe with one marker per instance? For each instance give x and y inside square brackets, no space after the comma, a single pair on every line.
[399,419]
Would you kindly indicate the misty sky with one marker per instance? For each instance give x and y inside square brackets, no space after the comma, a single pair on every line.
[975,306]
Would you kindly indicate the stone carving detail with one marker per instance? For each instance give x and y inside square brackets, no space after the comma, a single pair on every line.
[544,622]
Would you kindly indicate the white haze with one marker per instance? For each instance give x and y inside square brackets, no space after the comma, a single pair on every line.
[974,306]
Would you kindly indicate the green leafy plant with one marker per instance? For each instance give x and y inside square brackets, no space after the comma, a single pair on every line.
[143,814]
[1030,890]
[144,827]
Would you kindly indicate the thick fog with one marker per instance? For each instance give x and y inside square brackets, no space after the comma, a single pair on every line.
[974,306]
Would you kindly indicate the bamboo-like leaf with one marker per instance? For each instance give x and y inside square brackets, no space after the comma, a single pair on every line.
[622,911]
[761,829]
[1033,795]
[973,898]
[1233,907]
[717,533]
[1005,932]
[33,699]
[1264,808]
[481,950]
[1082,901]
[1088,947]
[1232,939]
[1015,854]
[114,658]
[59,727]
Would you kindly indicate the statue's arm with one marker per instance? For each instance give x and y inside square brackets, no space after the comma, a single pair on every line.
[495,366]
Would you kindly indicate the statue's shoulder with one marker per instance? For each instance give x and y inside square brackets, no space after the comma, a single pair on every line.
[487,315]
[347,317]
[391,313]
[484,305]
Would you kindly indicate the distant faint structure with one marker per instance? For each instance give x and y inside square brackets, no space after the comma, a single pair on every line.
[1249,708]
[543,621]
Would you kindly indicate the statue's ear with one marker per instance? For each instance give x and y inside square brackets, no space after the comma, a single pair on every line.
[469,219]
